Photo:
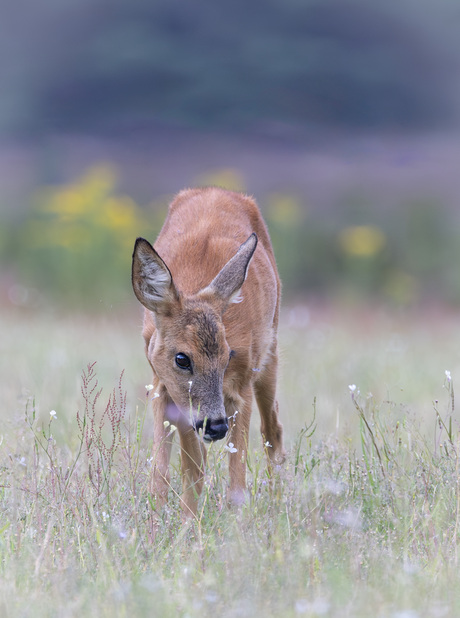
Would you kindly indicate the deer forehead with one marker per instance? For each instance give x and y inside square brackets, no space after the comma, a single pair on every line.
[201,331]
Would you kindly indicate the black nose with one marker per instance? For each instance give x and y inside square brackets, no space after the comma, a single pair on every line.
[214,429]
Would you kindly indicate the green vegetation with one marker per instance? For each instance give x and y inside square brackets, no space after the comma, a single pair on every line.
[77,242]
[363,517]
[74,246]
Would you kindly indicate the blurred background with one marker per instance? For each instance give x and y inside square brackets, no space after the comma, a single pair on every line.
[340,116]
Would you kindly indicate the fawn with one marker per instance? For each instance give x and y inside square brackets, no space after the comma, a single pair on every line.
[210,329]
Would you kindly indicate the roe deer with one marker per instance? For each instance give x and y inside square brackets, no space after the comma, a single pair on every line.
[210,329]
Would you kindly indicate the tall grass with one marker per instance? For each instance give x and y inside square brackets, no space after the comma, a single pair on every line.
[362,519]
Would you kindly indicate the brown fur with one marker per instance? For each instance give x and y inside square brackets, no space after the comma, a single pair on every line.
[191,309]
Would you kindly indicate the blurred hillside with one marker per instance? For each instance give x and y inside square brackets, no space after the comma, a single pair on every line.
[86,65]
[340,116]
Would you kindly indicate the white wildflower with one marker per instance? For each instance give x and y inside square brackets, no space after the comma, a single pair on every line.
[149,387]
[267,444]
[230,447]
[448,376]
[172,429]
[53,414]
[352,387]
[166,424]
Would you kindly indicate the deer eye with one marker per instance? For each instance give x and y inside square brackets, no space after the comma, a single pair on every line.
[182,361]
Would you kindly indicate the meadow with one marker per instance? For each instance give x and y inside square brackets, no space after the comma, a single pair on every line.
[362,519]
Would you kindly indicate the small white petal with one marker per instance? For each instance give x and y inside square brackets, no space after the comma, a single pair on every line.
[448,376]
[352,387]
[166,424]
[149,387]
[172,429]
[267,444]
[53,414]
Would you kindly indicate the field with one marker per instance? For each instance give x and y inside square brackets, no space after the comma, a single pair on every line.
[363,519]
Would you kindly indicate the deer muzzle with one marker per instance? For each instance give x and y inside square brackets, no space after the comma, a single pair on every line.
[213,429]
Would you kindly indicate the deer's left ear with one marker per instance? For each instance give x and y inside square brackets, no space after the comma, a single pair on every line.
[226,285]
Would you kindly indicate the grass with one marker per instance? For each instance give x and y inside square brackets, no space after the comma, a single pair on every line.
[362,519]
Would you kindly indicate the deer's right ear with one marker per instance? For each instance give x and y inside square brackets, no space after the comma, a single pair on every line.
[151,278]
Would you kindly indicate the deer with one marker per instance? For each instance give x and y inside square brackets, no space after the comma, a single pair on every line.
[211,295]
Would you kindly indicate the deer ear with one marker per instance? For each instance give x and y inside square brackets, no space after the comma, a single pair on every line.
[227,284]
[151,278]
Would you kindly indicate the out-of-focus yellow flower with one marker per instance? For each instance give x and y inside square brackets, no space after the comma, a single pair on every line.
[119,213]
[68,203]
[76,200]
[80,214]
[99,181]
[362,240]
[284,210]
[227,178]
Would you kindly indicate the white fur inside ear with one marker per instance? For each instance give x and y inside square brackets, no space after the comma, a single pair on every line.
[154,280]
[238,298]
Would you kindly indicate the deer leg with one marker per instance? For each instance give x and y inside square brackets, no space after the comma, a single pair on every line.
[265,392]
[239,436]
[193,461]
